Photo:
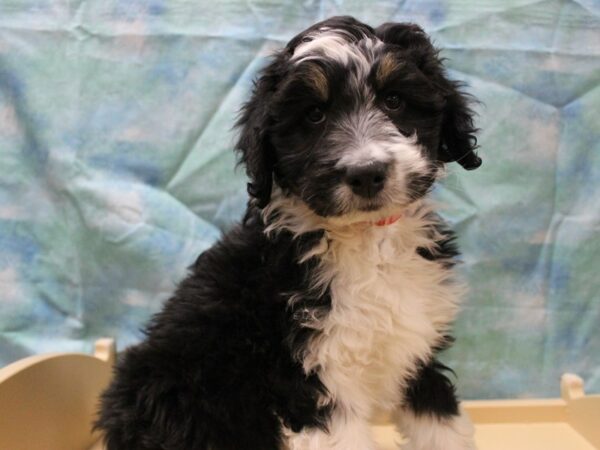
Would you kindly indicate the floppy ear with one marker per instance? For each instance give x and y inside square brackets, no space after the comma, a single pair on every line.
[458,141]
[254,146]
[458,130]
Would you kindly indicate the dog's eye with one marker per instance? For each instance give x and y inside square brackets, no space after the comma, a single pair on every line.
[315,115]
[392,101]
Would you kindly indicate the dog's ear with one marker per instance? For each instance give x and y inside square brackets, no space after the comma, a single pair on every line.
[458,130]
[408,36]
[254,145]
[458,141]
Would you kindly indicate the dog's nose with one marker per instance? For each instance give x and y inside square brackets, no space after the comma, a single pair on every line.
[367,181]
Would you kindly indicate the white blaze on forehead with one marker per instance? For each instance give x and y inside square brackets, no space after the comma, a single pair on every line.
[338,45]
[330,44]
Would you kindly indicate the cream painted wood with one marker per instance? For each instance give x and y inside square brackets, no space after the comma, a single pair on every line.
[47,402]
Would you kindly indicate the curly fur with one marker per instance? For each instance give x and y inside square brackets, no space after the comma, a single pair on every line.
[308,318]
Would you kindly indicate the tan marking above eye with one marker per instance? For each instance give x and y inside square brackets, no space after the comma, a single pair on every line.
[387,65]
[317,78]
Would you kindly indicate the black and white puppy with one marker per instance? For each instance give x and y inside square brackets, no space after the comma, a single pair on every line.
[329,301]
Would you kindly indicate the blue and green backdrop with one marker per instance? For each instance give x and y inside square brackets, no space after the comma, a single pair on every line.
[116,168]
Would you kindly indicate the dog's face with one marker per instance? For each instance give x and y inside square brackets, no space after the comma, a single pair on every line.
[354,120]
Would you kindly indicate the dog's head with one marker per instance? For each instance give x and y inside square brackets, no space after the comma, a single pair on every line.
[354,120]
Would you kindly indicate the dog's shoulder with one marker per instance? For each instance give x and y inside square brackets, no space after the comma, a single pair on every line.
[250,255]
[242,281]
[445,250]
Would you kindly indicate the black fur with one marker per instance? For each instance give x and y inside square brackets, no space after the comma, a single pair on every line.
[277,143]
[221,365]
[254,141]
[458,141]
[446,250]
[431,392]
[217,368]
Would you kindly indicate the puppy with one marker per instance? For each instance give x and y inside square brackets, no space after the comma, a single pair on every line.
[329,302]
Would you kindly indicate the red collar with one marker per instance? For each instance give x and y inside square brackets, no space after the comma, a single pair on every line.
[387,220]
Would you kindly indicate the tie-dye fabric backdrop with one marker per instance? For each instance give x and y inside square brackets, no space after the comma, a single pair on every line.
[116,168]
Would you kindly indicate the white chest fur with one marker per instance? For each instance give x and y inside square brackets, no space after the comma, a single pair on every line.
[390,306]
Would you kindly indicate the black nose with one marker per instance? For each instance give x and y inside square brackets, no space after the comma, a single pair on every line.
[367,181]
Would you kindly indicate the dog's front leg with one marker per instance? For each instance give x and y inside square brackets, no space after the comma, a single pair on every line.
[345,431]
[431,417]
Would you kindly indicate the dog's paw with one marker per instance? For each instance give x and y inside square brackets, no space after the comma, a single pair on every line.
[469,446]
[428,433]
[465,444]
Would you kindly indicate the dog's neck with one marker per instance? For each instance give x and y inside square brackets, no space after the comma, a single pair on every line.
[410,228]
[390,220]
